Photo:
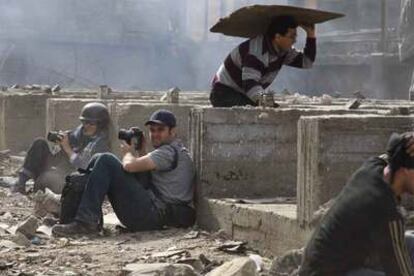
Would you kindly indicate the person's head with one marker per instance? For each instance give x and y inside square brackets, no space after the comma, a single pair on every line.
[282,31]
[94,118]
[400,163]
[162,127]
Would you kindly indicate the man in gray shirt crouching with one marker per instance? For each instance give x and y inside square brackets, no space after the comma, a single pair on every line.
[146,190]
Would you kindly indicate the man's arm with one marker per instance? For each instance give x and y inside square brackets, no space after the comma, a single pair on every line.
[252,71]
[395,258]
[133,161]
[81,159]
[134,164]
[306,59]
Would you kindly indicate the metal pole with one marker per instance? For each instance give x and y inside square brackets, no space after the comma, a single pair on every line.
[383,46]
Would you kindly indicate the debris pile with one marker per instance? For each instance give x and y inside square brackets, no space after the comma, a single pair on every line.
[33,88]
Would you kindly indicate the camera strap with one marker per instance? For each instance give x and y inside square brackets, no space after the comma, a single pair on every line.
[173,167]
[174,164]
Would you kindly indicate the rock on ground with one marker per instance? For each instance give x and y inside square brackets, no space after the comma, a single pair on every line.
[288,264]
[159,269]
[28,227]
[237,267]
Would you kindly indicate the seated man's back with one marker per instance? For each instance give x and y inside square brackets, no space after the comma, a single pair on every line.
[364,221]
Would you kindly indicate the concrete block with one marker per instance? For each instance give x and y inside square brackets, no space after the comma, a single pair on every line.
[247,152]
[270,228]
[22,118]
[331,148]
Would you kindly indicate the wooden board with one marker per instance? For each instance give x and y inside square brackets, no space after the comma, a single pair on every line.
[254,20]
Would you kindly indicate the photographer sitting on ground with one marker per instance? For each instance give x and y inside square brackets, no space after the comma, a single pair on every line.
[141,203]
[78,146]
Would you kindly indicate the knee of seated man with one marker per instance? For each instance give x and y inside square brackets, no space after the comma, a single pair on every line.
[107,158]
[39,141]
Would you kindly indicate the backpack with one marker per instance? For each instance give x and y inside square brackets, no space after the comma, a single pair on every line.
[72,192]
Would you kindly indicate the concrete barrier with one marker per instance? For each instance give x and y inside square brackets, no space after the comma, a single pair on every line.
[63,114]
[331,148]
[22,118]
[270,228]
[247,152]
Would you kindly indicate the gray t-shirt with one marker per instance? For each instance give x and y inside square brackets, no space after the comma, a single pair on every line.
[175,186]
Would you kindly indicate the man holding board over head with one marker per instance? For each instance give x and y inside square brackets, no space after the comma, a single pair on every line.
[251,67]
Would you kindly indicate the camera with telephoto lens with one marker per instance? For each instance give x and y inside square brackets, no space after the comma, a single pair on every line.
[134,134]
[54,136]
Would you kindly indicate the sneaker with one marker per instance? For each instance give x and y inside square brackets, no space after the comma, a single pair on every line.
[74,228]
[20,185]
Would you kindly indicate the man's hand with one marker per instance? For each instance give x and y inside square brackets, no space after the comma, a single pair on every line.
[142,147]
[310,30]
[64,142]
[65,145]
[126,148]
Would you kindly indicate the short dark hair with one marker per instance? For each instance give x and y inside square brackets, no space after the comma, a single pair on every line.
[281,25]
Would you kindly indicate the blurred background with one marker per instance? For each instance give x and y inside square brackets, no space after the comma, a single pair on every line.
[158,44]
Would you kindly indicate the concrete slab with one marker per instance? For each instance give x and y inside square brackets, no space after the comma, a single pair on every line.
[331,148]
[270,228]
[247,152]
[22,118]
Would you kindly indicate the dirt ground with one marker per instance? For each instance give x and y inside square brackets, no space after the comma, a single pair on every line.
[106,254]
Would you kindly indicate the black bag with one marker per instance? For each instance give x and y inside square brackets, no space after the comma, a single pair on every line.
[75,184]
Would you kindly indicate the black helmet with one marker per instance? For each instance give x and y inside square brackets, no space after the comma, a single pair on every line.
[95,112]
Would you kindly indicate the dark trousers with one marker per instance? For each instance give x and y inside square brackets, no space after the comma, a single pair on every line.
[40,160]
[135,205]
[409,240]
[224,96]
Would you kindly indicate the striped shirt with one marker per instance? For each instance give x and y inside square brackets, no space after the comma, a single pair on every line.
[363,229]
[252,66]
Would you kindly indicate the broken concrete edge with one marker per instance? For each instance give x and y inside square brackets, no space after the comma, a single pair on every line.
[330,148]
[272,229]
[237,150]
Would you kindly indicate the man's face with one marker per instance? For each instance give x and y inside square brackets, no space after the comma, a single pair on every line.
[160,134]
[409,181]
[285,42]
[89,128]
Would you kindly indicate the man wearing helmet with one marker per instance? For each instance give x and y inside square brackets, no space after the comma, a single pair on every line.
[78,146]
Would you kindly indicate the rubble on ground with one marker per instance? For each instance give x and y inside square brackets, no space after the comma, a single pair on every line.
[237,267]
[288,264]
[26,251]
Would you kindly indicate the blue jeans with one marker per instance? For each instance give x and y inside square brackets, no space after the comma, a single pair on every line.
[409,239]
[134,205]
